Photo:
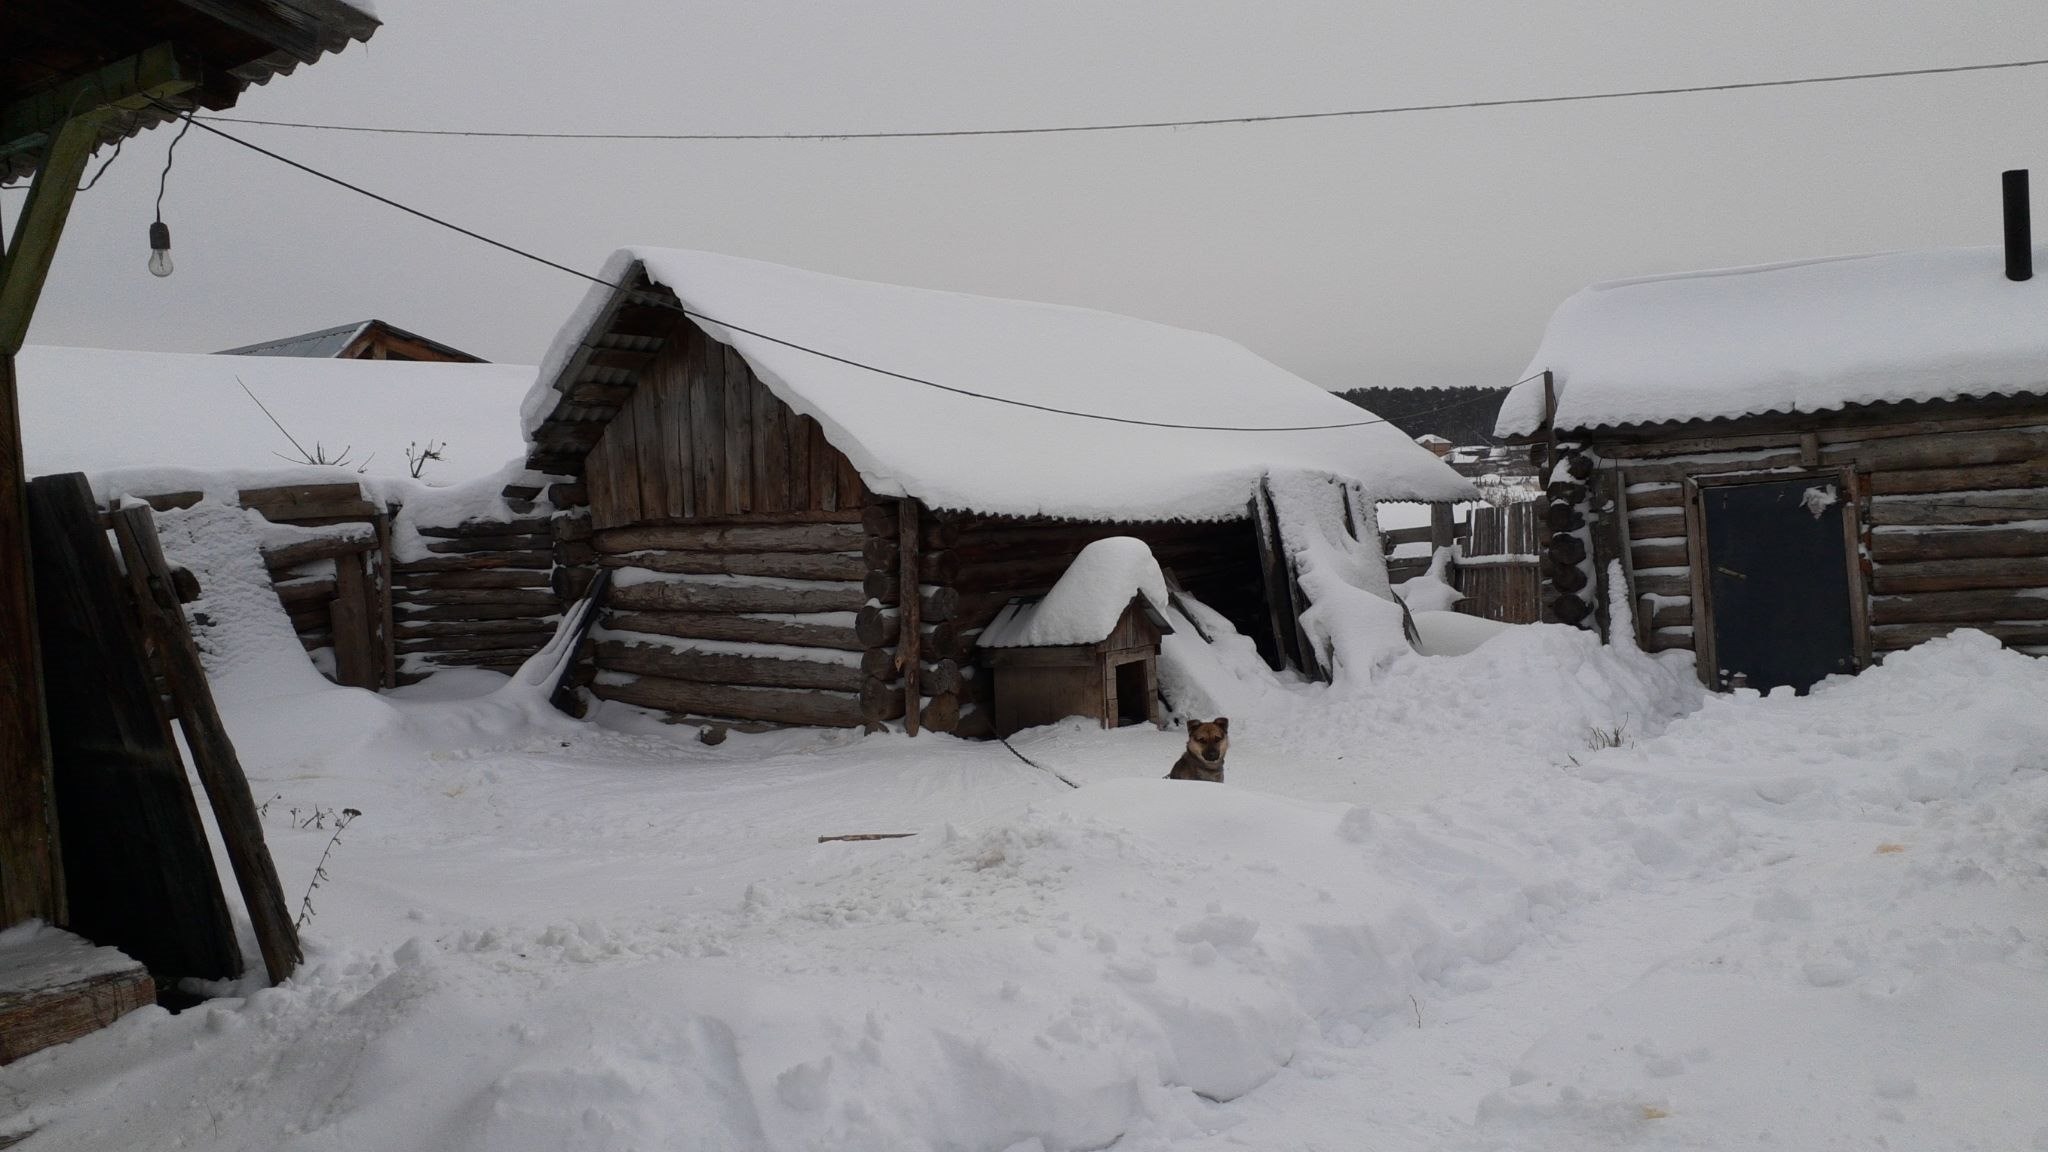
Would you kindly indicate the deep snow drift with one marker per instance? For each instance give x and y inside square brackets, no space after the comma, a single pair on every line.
[1536,896]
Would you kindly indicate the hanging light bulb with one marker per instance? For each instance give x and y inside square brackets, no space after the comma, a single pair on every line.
[160,249]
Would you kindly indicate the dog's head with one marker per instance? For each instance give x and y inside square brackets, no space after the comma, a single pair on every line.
[1209,740]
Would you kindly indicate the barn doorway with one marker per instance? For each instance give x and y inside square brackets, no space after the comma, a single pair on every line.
[1133,694]
[1779,586]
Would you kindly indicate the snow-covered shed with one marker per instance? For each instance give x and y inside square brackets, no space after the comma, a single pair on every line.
[765,450]
[1797,467]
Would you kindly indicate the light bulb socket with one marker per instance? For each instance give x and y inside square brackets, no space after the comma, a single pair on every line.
[160,237]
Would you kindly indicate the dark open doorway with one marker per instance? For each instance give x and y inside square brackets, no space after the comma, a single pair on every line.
[1778,582]
[1133,694]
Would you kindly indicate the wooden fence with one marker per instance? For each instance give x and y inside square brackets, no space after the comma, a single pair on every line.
[1495,564]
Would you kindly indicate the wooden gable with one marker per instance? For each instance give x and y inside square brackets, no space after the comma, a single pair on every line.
[700,437]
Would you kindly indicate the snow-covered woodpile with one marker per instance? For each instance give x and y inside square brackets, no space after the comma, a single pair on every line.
[763,507]
[480,593]
[1899,403]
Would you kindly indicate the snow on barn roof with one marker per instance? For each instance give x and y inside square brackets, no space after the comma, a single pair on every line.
[99,411]
[1089,599]
[1798,337]
[960,452]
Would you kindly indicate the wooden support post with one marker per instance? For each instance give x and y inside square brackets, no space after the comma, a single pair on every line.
[1443,525]
[387,633]
[355,662]
[213,754]
[907,614]
[36,230]
[31,883]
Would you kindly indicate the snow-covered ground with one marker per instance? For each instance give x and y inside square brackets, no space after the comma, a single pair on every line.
[1539,895]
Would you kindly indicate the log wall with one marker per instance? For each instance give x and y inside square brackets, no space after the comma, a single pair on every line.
[483,596]
[1953,516]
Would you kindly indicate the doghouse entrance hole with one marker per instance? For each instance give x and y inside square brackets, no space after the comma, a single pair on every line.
[1133,703]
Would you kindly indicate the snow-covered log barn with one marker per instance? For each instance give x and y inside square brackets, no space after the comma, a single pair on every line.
[764,452]
[1796,468]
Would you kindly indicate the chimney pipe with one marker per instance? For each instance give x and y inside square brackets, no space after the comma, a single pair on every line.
[2019,238]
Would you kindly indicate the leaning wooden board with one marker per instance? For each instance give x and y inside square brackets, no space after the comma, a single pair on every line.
[139,872]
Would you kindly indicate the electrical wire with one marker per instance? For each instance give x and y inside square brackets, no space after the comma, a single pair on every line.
[1136,125]
[672,303]
[170,156]
[104,165]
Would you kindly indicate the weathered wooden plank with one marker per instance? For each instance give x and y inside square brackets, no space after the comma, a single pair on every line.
[669,374]
[39,1017]
[1961,575]
[138,872]
[288,556]
[707,413]
[533,560]
[1956,543]
[791,537]
[1892,637]
[1658,495]
[650,449]
[355,661]
[824,471]
[1960,607]
[529,641]
[787,565]
[1940,450]
[1664,583]
[522,526]
[744,629]
[539,599]
[801,431]
[771,452]
[481,578]
[405,613]
[291,494]
[1659,554]
[213,754]
[684,596]
[1656,524]
[297,594]
[527,542]
[1669,615]
[739,432]
[726,668]
[797,706]
[1985,477]
[910,609]
[417,629]
[1961,507]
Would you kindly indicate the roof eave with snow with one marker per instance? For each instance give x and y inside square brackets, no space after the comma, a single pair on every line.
[1788,340]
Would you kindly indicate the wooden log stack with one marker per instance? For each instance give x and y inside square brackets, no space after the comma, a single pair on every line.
[484,595]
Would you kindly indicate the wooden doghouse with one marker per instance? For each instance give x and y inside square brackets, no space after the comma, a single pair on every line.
[1088,647]
[1115,679]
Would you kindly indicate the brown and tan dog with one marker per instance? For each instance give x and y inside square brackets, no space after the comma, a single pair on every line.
[1208,743]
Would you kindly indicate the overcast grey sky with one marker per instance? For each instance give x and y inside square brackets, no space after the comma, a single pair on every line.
[1418,249]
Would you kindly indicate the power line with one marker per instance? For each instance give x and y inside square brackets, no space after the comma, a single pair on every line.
[668,302]
[1135,125]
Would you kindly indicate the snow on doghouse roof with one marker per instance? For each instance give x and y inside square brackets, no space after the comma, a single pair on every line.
[1091,596]
[1798,337]
[99,411]
[961,452]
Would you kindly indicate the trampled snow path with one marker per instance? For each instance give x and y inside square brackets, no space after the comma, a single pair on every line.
[1799,923]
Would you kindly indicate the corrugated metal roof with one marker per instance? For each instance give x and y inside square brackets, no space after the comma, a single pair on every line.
[324,344]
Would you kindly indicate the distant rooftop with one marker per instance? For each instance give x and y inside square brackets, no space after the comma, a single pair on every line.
[362,340]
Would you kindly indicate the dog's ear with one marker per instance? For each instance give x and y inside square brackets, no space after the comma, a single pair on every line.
[1223,722]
